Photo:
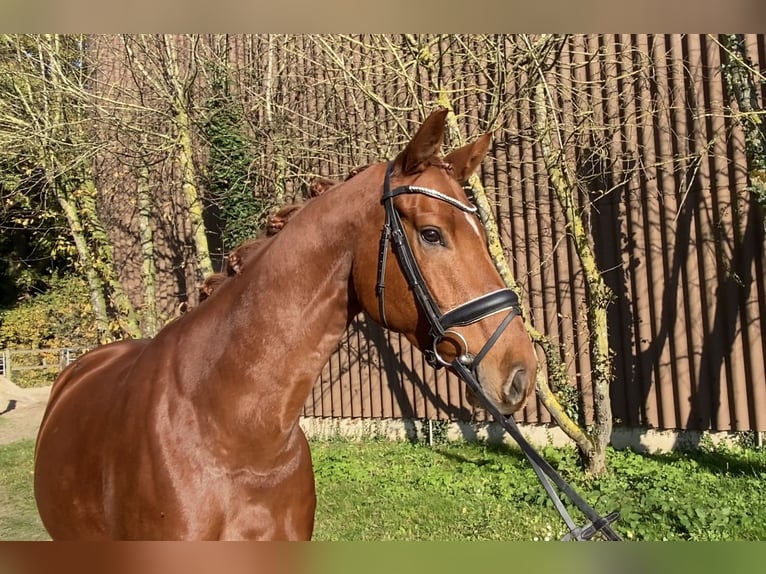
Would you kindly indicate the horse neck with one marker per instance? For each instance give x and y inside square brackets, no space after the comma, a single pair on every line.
[276,325]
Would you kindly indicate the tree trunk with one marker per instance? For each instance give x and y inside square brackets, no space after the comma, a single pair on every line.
[94,281]
[75,191]
[127,321]
[599,294]
[554,363]
[556,368]
[185,155]
[191,191]
[148,267]
[739,73]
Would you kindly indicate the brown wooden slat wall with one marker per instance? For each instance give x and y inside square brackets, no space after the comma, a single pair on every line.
[681,250]
[660,161]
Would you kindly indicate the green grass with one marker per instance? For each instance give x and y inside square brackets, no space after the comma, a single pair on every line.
[380,490]
[18,514]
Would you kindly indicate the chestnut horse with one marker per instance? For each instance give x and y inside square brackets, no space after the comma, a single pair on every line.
[195,433]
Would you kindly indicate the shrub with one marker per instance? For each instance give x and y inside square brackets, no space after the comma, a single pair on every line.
[60,317]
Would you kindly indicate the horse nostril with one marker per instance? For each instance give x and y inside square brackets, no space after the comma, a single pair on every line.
[516,388]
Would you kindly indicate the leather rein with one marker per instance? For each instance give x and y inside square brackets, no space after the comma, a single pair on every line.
[465,365]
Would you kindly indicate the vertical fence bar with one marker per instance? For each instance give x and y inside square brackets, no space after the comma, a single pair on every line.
[8,364]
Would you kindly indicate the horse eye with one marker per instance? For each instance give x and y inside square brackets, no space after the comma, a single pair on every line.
[431,235]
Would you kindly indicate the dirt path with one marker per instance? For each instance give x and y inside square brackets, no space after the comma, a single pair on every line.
[21,411]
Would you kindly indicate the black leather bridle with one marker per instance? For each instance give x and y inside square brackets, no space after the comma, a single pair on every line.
[441,324]
[465,364]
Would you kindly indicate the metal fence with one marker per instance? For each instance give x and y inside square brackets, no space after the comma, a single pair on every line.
[15,363]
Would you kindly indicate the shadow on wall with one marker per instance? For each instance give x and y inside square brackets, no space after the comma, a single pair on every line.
[636,370]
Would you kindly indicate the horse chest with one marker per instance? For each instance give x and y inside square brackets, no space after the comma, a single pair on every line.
[225,501]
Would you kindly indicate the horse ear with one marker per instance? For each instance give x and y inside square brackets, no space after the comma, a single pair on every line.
[466,159]
[425,144]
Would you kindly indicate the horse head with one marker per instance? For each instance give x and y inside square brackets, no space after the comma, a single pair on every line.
[470,317]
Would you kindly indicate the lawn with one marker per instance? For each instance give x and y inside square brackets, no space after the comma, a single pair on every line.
[380,490]
[18,514]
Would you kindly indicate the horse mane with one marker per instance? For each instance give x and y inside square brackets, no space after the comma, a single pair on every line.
[275,222]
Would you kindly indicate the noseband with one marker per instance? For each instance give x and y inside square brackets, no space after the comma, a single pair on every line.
[441,324]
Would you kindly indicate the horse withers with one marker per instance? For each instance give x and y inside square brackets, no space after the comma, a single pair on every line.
[195,434]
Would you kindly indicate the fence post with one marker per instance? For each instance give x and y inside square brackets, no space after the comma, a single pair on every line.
[5,363]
